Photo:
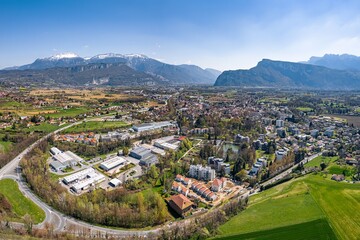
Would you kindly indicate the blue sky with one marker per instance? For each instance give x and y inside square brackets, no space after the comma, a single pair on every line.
[222,34]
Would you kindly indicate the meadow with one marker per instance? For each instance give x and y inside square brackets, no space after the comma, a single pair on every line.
[97,126]
[20,204]
[300,201]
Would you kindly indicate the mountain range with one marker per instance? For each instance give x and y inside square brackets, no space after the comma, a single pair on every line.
[338,74]
[107,69]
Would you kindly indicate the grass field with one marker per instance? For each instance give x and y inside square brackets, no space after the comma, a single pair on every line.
[304,109]
[20,204]
[71,112]
[299,201]
[5,146]
[93,126]
[318,160]
[44,127]
[318,229]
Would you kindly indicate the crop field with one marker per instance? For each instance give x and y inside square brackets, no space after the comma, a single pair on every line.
[20,204]
[300,201]
[94,126]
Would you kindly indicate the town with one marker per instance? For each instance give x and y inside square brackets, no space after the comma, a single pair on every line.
[191,150]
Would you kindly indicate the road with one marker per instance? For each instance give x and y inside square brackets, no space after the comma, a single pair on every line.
[287,172]
[58,220]
[61,222]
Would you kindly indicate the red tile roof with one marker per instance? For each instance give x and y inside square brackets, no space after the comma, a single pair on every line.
[181,201]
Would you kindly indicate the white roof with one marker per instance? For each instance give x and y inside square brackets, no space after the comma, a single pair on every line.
[79,175]
[113,162]
[115,182]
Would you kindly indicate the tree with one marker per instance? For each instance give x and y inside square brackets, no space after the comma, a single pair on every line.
[322,166]
[125,151]
[241,175]
[28,222]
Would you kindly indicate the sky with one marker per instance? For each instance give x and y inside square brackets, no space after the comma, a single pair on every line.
[220,34]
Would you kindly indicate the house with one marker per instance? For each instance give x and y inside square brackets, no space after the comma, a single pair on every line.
[175,187]
[211,197]
[216,185]
[184,190]
[180,204]
[179,178]
[338,178]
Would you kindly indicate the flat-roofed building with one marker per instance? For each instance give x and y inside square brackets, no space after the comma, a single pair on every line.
[91,180]
[78,176]
[152,126]
[114,182]
[55,150]
[113,163]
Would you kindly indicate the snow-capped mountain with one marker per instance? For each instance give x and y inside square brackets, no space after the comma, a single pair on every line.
[63,56]
[177,74]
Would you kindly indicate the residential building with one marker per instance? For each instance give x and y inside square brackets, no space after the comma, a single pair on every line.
[200,172]
[180,204]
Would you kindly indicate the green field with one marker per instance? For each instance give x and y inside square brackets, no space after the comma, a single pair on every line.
[318,229]
[318,160]
[300,201]
[94,126]
[71,112]
[305,109]
[20,204]
[44,127]
[5,146]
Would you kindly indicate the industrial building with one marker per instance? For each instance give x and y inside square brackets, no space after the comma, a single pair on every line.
[78,176]
[63,160]
[112,163]
[146,157]
[152,126]
[115,182]
[91,180]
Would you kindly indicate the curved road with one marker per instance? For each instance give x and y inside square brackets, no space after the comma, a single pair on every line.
[62,222]
[58,220]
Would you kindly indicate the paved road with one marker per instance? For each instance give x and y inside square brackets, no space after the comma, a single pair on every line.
[287,172]
[62,222]
[58,220]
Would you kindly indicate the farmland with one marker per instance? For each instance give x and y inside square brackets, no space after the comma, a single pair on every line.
[300,201]
[20,204]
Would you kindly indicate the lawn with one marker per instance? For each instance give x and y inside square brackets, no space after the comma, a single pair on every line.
[318,160]
[300,201]
[95,126]
[20,204]
[318,229]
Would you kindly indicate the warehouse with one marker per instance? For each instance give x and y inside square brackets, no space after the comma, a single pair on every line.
[78,176]
[152,126]
[91,180]
[113,163]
